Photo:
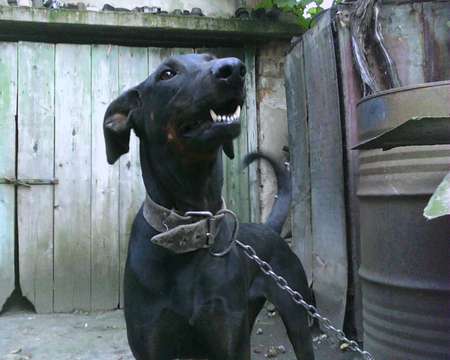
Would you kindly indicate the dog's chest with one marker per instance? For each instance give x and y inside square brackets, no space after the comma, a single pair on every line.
[197,282]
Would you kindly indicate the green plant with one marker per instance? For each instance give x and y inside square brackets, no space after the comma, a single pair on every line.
[304,10]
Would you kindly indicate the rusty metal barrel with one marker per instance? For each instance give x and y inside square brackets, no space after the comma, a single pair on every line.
[405,259]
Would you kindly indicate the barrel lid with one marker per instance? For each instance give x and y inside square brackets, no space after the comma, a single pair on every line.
[407,116]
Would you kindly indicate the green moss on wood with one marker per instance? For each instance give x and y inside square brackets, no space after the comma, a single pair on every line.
[132,21]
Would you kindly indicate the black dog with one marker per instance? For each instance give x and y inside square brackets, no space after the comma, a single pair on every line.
[182,300]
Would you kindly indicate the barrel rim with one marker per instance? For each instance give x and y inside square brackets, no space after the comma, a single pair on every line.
[403,89]
[396,282]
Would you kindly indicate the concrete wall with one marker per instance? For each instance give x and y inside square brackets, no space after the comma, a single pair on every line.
[214,8]
[209,7]
[272,115]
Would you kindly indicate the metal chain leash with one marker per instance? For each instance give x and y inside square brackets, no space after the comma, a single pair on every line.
[298,299]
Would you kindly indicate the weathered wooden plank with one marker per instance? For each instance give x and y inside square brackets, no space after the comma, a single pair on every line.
[8,106]
[327,174]
[133,68]
[351,94]
[242,145]
[35,161]
[297,111]
[179,51]
[236,186]
[72,281]
[136,29]
[436,42]
[105,185]
[252,132]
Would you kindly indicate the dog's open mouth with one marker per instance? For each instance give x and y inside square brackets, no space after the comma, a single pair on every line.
[226,118]
[218,117]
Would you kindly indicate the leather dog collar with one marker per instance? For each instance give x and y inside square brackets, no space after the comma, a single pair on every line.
[181,233]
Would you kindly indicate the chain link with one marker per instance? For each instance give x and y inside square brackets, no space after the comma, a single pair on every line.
[298,299]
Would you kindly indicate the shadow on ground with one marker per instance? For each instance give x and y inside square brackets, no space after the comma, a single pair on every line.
[101,336]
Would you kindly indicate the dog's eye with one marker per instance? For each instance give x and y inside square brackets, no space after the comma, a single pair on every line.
[167,74]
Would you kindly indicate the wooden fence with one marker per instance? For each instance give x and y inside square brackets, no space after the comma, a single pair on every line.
[70,229]
[318,191]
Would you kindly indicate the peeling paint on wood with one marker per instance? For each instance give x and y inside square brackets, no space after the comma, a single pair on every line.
[252,132]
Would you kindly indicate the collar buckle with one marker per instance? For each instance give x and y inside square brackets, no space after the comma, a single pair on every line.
[211,224]
[206,214]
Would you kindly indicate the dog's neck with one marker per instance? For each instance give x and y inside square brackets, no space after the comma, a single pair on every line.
[177,184]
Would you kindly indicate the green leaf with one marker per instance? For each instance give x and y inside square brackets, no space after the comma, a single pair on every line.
[439,204]
[314,11]
[304,23]
[296,7]
[285,3]
[265,4]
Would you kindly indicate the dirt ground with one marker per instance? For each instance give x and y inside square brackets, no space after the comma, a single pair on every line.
[102,336]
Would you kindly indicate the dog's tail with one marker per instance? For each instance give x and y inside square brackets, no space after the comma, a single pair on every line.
[280,209]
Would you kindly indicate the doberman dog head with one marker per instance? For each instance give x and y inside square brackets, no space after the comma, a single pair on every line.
[190,105]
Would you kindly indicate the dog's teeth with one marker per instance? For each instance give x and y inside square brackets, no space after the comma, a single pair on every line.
[220,118]
[213,115]
[237,113]
[228,118]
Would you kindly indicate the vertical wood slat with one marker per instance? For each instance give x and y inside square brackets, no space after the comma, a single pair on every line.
[105,275]
[297,110]
[351,94]
[8,107]
[243,147]
[327,173]
[35,160]
[133,68]
[252,133]
[236,179]
[72,280]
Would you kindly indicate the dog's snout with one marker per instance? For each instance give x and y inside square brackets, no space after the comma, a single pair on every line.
[229,70]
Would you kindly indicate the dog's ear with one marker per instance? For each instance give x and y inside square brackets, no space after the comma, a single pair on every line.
[228,149]
[118,122]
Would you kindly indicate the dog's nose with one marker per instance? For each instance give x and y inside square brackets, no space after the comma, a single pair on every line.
[230,70]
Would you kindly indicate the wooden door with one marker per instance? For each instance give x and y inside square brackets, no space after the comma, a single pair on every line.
[74,220]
